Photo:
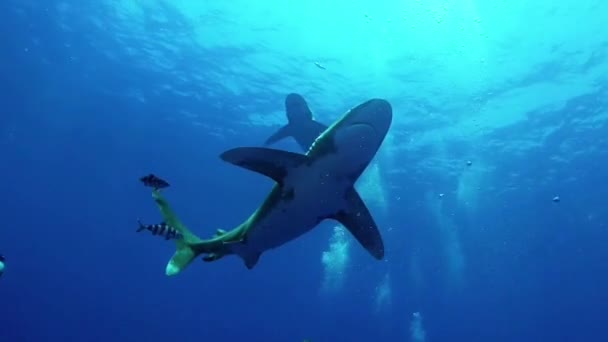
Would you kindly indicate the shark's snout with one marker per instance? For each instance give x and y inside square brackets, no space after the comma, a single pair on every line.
[376,113]
[366,125]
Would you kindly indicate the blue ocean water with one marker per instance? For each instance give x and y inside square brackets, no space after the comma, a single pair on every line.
[96,94]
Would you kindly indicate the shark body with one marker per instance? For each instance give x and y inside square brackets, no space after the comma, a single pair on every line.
[300,123]
[309,188]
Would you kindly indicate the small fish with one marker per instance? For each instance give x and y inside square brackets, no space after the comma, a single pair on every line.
[320,66]
[154,182]
[161,229]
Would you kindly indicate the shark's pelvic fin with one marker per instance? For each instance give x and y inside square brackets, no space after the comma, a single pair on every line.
[358,220]
[269,162]
[212,257]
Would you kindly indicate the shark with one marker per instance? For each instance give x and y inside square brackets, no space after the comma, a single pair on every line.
[308,188]
[301,125]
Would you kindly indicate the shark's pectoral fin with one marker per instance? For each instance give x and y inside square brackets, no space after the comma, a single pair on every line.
[251,260]
[212,257]
[270,162]
[358,220]
[282,133]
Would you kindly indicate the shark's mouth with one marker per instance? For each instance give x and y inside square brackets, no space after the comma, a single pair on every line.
[365,124]
[361,133]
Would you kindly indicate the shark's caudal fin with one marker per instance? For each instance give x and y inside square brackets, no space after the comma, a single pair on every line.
[185,252]
[302,127]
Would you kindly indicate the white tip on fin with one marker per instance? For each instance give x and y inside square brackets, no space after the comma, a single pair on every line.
[172,269]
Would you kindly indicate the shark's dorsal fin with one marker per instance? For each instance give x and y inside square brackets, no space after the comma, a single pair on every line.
[251,260]
[358,220]
[270,162]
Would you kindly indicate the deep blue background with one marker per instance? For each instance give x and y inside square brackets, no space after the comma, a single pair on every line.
[71,155]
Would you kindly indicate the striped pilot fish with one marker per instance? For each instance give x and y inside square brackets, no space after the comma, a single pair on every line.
[161,229]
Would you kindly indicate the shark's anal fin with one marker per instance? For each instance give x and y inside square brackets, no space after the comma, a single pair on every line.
[269,162]
[251,260]
[281,134]
[358,220]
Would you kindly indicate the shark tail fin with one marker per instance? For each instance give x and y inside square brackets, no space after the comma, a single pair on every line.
[182,257]
[186,250]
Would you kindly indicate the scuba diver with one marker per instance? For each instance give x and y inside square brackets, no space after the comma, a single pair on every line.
[1,264]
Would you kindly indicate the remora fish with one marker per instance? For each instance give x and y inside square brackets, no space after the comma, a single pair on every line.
[301,126]
[309,189]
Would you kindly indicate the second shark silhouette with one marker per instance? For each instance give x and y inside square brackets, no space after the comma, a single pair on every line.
[300,123]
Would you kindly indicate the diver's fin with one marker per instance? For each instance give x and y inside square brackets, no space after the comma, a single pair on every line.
[358,220]
[251,260]
[185,253]
[282,133]
[270,162]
